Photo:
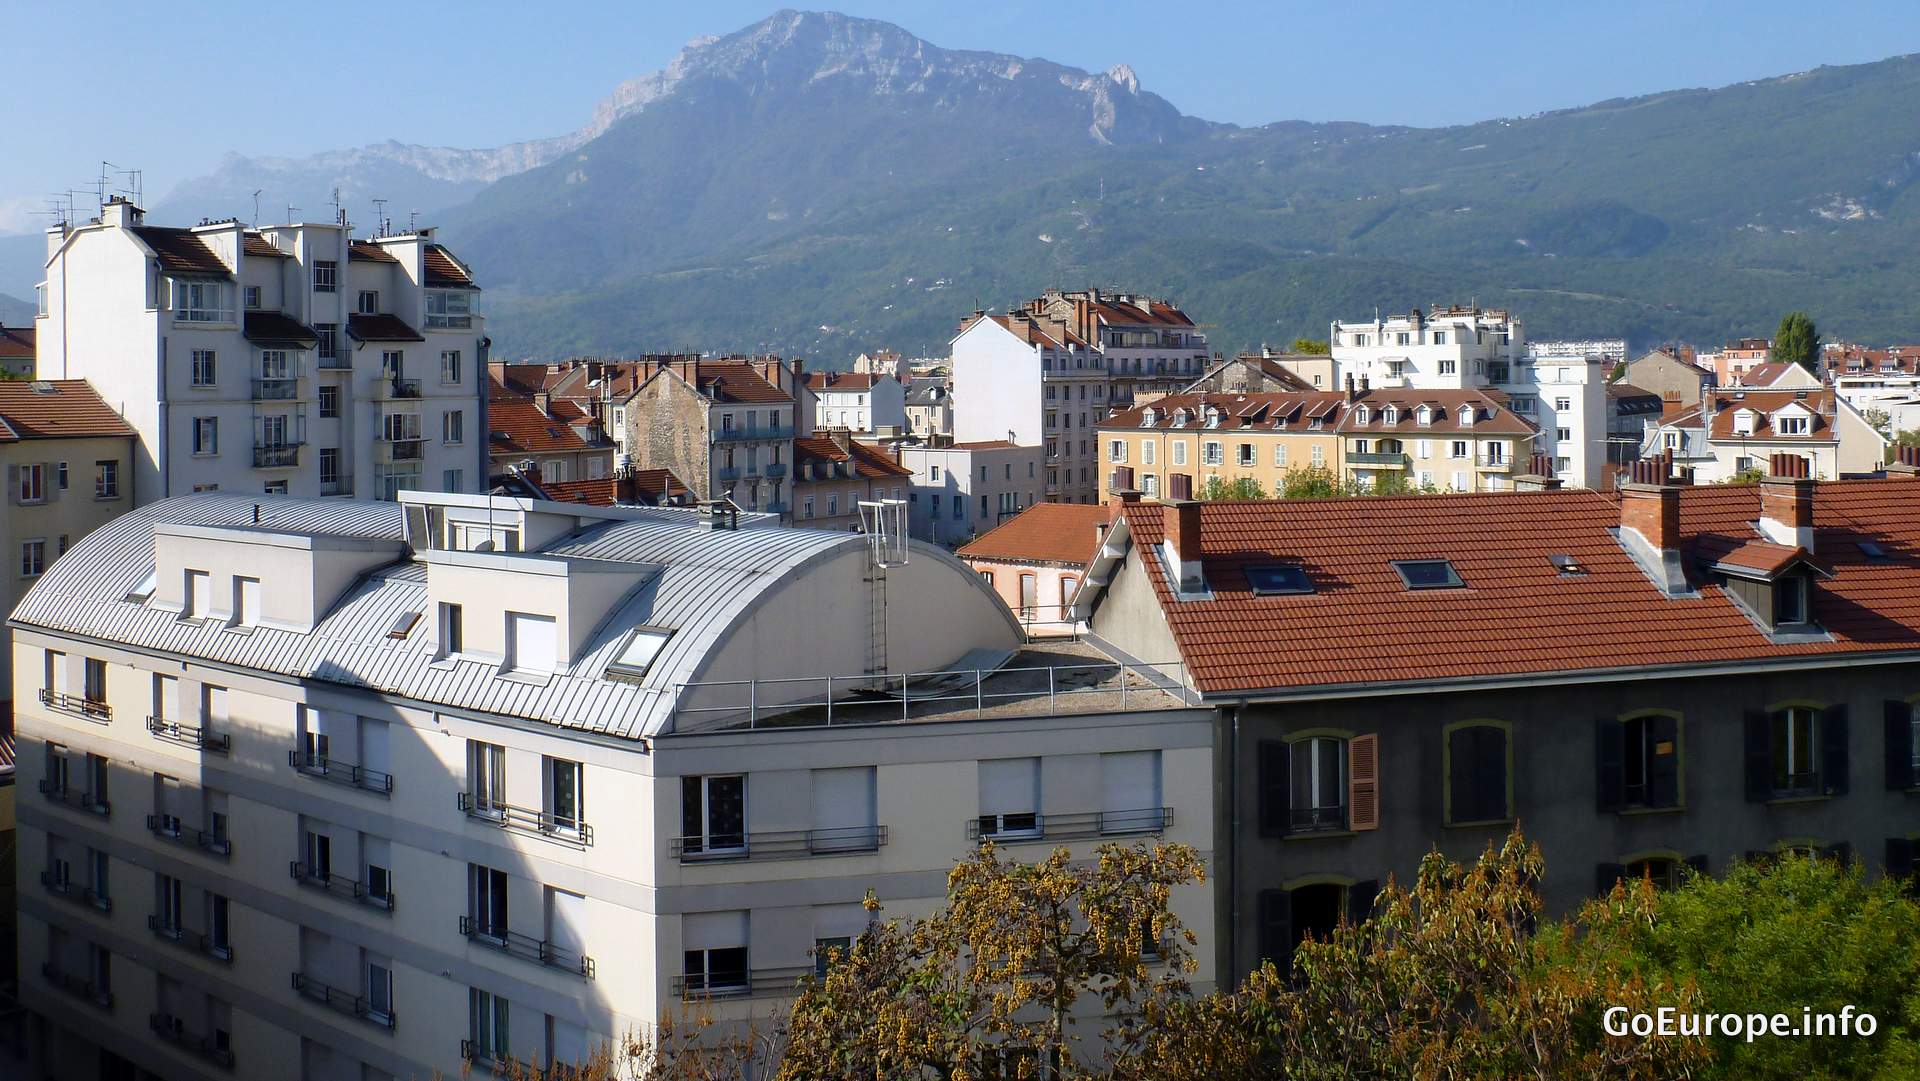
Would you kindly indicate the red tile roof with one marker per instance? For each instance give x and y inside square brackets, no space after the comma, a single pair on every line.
[1238,412]
[443,271]
[16,343]
[737,381]
[1064,533]
[848,381]
[1726,404]
[652,485]
[869,463]
[65,409]
[180,251]
[369,252]
[525,379]
[1517,614]
[1053,336]
[256,244]
[517,426]
[381,328]
[1490,414]
[1765,557]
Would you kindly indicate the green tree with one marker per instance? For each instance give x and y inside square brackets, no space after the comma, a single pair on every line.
[1880,420]
[1311,482]
[1311,346]
[1237,489]
[1619,372]
[1797,341]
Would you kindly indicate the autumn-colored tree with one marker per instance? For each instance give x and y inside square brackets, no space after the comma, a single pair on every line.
[688,1045]
[995,984]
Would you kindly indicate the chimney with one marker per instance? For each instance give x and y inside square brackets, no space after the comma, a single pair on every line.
[121,214]
[1906,462]
[1650,522]
[1117,504]
[1538,477]
[1353,391]
[1180,550]
[1786,502]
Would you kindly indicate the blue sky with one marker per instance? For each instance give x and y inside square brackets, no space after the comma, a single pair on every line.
[171,90]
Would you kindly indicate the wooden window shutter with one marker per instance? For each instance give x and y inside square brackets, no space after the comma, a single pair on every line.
[1759,756]
[1276,929]
[1609,754]
[1663,763]
[1460,802]
[1900,858]
[1272,766]
[1605,875]
[1363,783]
[1833,751]
[1899,742]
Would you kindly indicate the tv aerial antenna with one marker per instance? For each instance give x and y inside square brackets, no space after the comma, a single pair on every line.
[380,222]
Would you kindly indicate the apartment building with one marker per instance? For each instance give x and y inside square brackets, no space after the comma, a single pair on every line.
[1895,394]
[1036,560]
[834,473]
[961,490]
[68,462]
[1684,677]
[1147,345]
[1734,432]
[1732,363]
[724,426]
[1473,348]
[884,362]
[17,355]
[341,789]
[1266,372]
[929,408]
[1174,445]
[565,442]
[1032,384]
[1669,376]
[859,402]
[290,359]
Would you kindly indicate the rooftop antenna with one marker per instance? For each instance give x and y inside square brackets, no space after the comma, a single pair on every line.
[379,217]
[336,202]
[291,209]
[412,219]
[101,191]
[256,206]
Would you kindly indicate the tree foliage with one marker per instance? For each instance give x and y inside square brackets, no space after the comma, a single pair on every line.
[1239,488]
[1797,341]
[1310,346]
[1323,482]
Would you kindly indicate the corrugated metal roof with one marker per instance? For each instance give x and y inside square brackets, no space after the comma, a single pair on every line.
[700,583]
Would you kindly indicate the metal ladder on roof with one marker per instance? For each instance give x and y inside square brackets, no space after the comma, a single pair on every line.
[876,620]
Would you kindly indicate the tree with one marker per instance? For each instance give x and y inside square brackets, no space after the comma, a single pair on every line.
[989,985]
[1311,482]
[1880,420]
[1237,489]
[1619,372]
[1797,342]
[1310,346]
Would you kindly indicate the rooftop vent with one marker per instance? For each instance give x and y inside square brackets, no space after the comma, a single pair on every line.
[403,624]
[1566,564]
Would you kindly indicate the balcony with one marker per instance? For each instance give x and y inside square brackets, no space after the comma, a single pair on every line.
[338,362]
[792,844]
[276,455]
[402,449]
[730,472]
[341,773]
[173,1030]
[336,486]
[526,947]
[168,828]
[276,390]
[84,801]
[774,469]
[341,1001]
[62,887]
[1377,460]
[1493,463]
[190,940]
[339,885]
[525,820]
[87,709]
[777,507]
[189,735]
[397,390]
[759,981]
[78,986]
[1065,827]
[741,435]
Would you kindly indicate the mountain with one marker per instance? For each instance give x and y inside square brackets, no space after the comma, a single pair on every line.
[818,185]
[15,312]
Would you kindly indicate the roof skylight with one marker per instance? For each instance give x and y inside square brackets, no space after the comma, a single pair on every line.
[640,651]
[1428,574]
[1268,579]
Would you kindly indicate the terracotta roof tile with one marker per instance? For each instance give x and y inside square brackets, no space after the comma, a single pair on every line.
[276,327]
[870,463]
[180,251]
[443,271]
[368,252]
[737,381]
[16,343]
[1725,405]
[67,409]
[1043,533]
[256,244]
[517,426]
[848,381]
[651,485]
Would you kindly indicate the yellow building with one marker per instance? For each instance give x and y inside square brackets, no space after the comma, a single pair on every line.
[1450,440]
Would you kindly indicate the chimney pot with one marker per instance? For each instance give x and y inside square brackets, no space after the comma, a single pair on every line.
[1180,519]
[1786,502]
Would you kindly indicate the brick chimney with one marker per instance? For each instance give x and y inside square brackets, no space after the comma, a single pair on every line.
[1180,519]
[1650,523]
[1117,503]
[1786,501]
[1906,462]
[1538,477]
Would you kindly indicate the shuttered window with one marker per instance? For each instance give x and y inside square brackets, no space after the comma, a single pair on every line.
[1009,796]
[1130,799]
[1363,782]
[843,810]
[1902,739]
[531,642]
[1477,775]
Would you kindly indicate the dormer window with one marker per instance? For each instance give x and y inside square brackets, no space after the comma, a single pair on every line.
[1213,417]
[1390,415]
[1423,415]
[1743,422]
[1790,600]
[1180,418]
[1149,418]
[1791,424]
[1466,416]
[1361,414]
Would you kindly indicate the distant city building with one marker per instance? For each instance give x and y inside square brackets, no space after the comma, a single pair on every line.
[834,473]
[16,352]
[1894,393]
[1629,408]
[1777,375]
[1734,432]
[1472,348]
[858,402]
[929,407]
[290,359]
[1733,362]
[565,442]
[1037,559]
[1611,350]
[961,490]
[1266,372]
[725,426]
[884,362]
[1669,376]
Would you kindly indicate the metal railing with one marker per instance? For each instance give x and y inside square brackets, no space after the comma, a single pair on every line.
[1065,827]
[774,469]
[276,455]
[341,773]
[1492,461]
[526,947]
[339,885]
[76,985]
[734,435]
[729,472]
[335,363]
[525,819]
[168,828]
[401,389]
[804,701]
[336,486]
[86,895]
[197,941]
[790,844]
[341,1001]
[1391,459]
[173,1030]
[73,797]
[404,449]
[758,981]
[85,708]
[283,389]
[1316,819]
[190,735]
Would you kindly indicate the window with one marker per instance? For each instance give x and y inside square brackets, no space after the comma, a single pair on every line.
[830,951]
[1790,600]
[486,775]
[329,466]
[166,905]
[246,601]
[565,794]
[1639,762]
[1116,450]
[453,427]
[713,815]
[32,485]
[378,973]
[329,401]
[1792,425]
[377,860]
[327,347]
[206,435]
[1009,797]
[1318,455]
[106,479]
[199,595]
[1477,781]
[369,302]
[273,431]
[98,885]
[487,902]
[1246,455]
[531,645]
[319,846]
[1449,367]
[449,366]
[449,308]
[1428,574]
[95,685]
[326,274]
[1805,753]
[1270,578]
[934,473]
[1179,452]
[1146,456]
[844,814]
[201,302]
[487,1026]
[1440,338]
[33,558]
[715,952]
[204,370]
[1562,404]
[1211,453]
[218,941]
[453,480]
[1130,793]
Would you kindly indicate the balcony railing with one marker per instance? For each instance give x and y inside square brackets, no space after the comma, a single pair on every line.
[1495,463]
[168,828]
[336,486]
[1063,827]
[341,1001]
[777,507]
[526,947]
[190,735]
[339,362]
[774,469]
[276,455]
[341,773]
[1394,460]
[1316,819]
[89,709]
[174,1031]
[276,390]
[792,844]
[339,886]
[76,985]
[404,448]
[525,819]
[759,981]
[730,472]
[398,389]
[73,797]
[84,895]
[196,941]
[736,435]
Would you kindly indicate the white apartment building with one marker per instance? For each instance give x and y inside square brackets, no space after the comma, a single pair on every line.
[1472,348]
[290,359]
[343,790]
[859,402]
[1894,393]
[961,490]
